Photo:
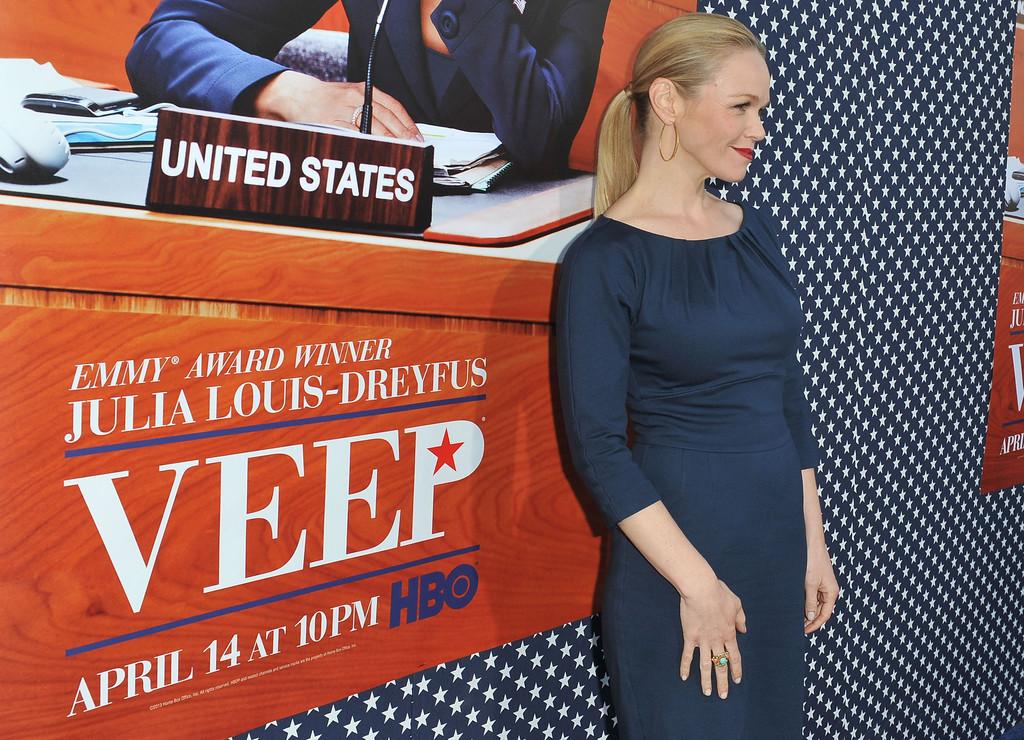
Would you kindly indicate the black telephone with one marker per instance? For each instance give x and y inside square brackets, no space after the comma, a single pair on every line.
[80,101]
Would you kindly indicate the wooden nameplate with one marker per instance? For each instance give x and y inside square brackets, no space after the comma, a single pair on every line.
[250,167]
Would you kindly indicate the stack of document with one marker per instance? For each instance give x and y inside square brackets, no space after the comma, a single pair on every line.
[465,160]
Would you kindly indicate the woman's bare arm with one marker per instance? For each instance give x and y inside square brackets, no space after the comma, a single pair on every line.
[659,539]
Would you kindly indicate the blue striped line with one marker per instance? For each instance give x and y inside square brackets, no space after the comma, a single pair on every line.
[261,602]
[174,439]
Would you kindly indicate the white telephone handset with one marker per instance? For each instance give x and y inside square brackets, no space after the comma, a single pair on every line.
[30,146]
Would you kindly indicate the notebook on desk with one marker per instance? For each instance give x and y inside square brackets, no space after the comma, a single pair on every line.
[478,179]
[465,161]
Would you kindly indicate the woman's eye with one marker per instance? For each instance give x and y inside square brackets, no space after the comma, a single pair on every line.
[761,113]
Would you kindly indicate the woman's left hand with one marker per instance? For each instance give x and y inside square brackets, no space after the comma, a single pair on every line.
[821,590]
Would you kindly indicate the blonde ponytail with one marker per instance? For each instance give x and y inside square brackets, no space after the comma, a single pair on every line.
[617,163]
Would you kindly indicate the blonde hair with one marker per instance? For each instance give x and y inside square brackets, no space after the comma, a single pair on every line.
[687,50]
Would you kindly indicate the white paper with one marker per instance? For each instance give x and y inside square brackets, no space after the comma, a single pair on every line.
[19,77]
[455,149]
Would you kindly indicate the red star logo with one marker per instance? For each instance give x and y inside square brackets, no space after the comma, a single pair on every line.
[445,452]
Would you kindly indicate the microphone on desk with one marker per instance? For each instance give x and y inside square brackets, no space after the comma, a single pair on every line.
[364,126]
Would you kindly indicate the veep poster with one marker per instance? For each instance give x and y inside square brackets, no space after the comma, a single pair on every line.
[1004,442]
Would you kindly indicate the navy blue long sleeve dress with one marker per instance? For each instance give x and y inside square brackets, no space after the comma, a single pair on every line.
[696,341]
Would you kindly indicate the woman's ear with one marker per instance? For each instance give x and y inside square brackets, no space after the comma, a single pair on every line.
[665,100]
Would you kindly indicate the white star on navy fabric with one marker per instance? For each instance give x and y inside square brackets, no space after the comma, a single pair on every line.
[503,692]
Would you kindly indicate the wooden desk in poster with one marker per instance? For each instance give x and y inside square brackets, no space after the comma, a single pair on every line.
[84,284]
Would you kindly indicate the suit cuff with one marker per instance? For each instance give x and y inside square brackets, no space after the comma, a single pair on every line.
[223,92]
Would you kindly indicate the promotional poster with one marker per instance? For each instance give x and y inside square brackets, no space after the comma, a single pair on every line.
[1004,443]
[310,445]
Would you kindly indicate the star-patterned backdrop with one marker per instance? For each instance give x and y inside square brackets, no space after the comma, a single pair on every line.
[551,685]
[886,146]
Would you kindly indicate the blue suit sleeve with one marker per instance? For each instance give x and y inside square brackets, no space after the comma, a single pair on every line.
[206,53]
[597,300]
[537,96]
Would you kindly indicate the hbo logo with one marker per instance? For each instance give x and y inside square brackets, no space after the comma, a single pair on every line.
[428,594]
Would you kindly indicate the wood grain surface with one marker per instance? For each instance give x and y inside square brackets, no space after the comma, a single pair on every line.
[214,259]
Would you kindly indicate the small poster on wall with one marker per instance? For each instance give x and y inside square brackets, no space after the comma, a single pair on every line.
[1003,464]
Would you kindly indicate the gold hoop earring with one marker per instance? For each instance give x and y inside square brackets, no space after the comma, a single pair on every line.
[674,146]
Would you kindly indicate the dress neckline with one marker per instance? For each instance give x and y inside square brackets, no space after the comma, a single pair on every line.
[744,225]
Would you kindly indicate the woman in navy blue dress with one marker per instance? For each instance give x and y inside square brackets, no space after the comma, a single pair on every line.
[679,308]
